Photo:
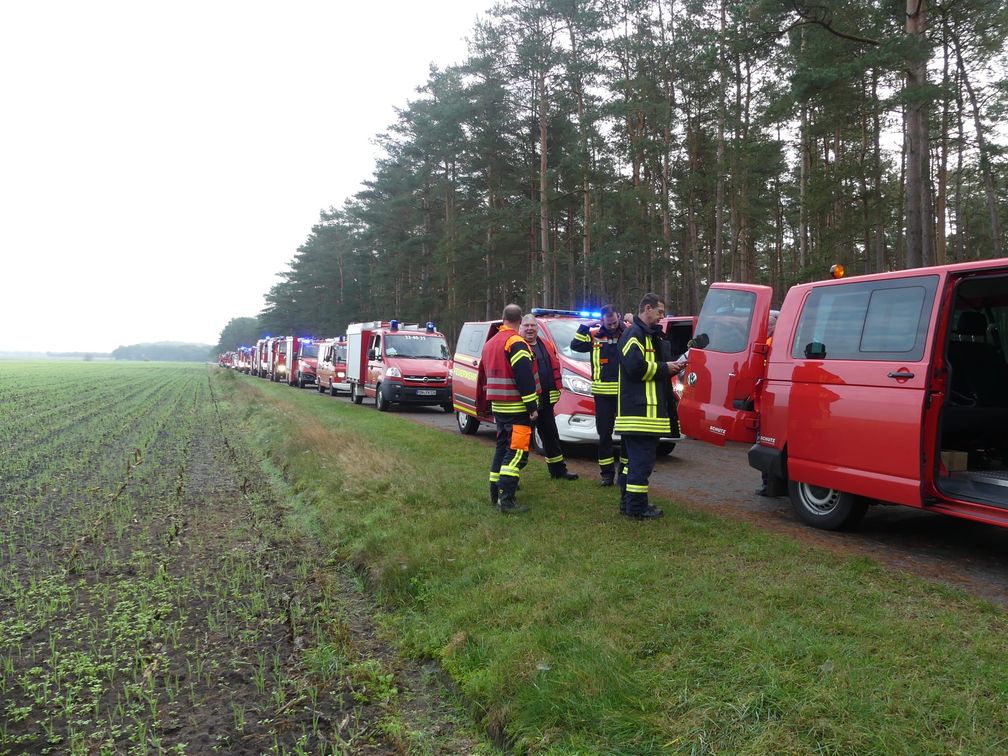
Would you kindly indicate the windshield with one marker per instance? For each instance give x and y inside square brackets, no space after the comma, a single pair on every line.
[416,345]
[339,354]
[563,332]
[309,350]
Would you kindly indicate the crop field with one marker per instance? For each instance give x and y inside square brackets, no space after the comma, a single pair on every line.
[151,599]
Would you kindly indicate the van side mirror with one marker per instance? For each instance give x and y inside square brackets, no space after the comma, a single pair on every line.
[700,341]
[371,354]
[815,350]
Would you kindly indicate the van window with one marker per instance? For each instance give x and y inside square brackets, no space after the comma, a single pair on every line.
[725,318]
[562,332]
[880,320]
[470,341]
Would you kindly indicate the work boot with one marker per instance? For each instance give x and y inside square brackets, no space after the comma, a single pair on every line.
[622,501]
[494,494]
[508,505]
[608,479]
[651,513]
[565,475]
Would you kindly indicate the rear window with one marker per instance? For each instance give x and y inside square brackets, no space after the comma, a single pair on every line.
[881,320]
[725,319]
[471,339]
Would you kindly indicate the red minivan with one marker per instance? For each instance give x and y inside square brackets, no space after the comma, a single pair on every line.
[886,388]
[575,412]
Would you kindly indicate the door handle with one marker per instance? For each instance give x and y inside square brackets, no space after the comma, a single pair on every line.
[475,363]
[901,374]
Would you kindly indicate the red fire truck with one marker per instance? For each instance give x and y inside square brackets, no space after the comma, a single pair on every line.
[300,361]
[261,357]
[575,412]
[398,364]
[331,372]
[885,388]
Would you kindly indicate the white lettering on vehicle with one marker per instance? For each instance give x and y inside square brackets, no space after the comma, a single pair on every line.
[767,440]
[719,431]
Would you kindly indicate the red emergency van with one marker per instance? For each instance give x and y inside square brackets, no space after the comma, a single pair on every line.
[575,412]
[887,388]
[398,364]
[331,371]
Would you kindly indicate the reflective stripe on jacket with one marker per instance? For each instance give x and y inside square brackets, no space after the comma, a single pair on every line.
[507,375]
[604,348]
[643,383]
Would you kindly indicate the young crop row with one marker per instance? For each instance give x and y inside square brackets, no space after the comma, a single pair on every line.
[150,599]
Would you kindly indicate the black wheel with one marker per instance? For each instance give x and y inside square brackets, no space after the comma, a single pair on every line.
[356,395]
[332,388]
[447,407]
[318,386]
[467,424]
[825,508]
[380,402]
[665,448]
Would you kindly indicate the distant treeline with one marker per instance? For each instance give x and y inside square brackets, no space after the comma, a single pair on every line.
[165,351]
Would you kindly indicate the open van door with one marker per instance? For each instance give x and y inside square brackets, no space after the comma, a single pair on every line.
[722,373]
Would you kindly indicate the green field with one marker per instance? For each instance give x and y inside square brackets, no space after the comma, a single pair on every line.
[153,595]
[568,630]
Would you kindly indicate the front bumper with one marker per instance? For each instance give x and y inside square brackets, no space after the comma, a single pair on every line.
[397,392]
[580,429]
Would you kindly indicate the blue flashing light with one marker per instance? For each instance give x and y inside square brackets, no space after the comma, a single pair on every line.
[596,314]
[585,314]
[430,326]
[394,325]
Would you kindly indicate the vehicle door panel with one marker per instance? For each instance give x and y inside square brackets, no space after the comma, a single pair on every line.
[720,378]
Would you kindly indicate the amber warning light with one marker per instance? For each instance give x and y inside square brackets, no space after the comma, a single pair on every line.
[837,271]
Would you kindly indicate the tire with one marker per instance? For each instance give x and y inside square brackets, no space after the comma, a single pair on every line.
[665,448]
[825,508]
[380,402]
[447,407]
[332,389]
[355,395]
[318,386]
[467,424]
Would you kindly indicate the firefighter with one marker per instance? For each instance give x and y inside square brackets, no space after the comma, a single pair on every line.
[547,367]
[603,344]
[508,381]
[642,415]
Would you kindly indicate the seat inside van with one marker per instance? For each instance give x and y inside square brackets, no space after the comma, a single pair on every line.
[974,422]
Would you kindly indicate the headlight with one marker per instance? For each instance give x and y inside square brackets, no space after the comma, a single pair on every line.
[678,387]
[392,372]
[575,383]
[340,374]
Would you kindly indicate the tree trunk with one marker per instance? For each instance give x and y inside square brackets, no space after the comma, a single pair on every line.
[919,207]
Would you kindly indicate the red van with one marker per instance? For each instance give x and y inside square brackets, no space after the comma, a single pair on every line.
[887,388]
[575,412]
[331,368]
[398,364]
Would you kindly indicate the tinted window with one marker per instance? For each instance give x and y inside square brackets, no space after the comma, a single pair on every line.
[309,350]
[470,341]
[882,320]
[725,319]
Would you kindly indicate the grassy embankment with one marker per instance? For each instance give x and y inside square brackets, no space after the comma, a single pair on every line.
[572,630]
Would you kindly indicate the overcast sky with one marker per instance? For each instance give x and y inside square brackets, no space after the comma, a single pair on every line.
[160,162]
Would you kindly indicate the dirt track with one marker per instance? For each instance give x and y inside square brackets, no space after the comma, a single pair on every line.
[944,549]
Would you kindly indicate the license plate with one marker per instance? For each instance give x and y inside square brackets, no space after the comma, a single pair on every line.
[426,392]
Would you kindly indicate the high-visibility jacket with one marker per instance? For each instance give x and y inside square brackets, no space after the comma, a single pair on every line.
[604,347]
[642,408]
[551,355]
[507,377]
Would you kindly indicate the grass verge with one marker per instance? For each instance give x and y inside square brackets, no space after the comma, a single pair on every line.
[572,630]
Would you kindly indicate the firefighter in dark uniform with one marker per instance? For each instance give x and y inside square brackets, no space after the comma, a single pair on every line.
[548,372]
[508,381]
[642,415]
[603,344]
